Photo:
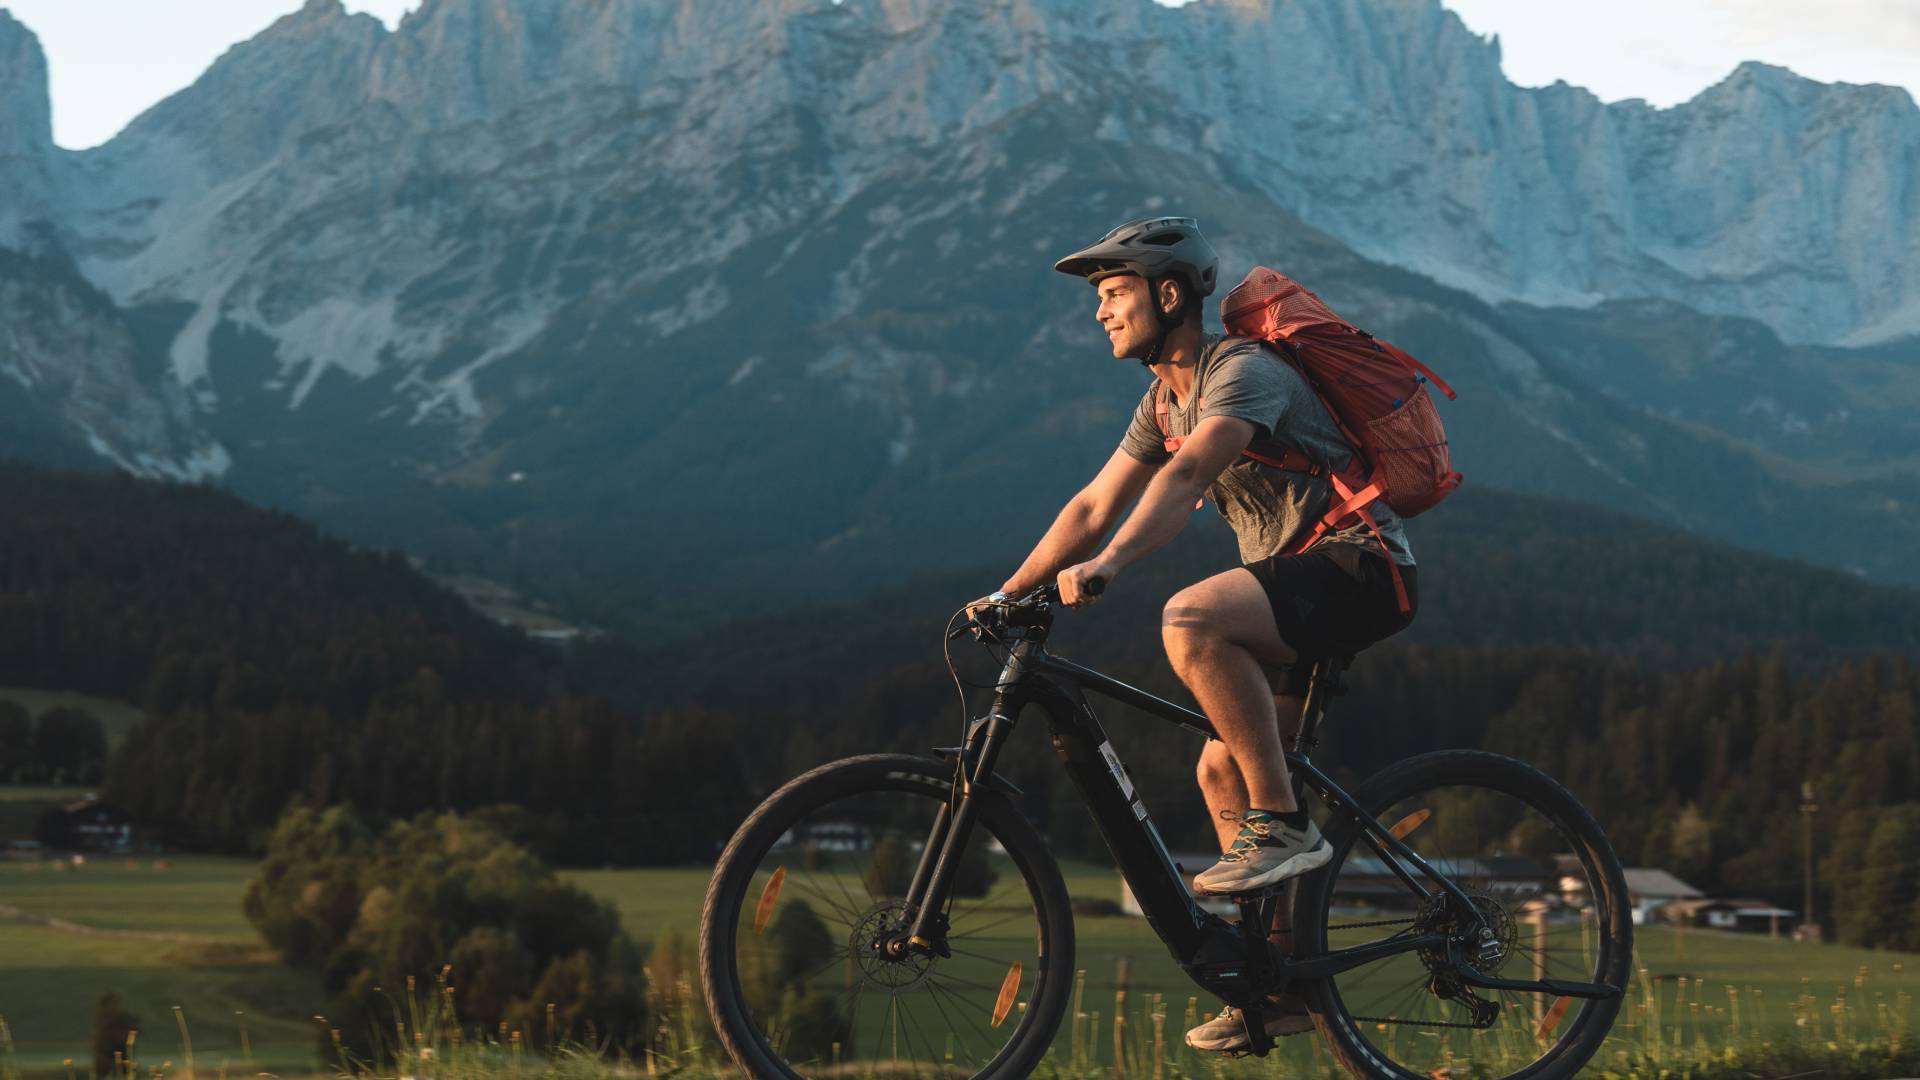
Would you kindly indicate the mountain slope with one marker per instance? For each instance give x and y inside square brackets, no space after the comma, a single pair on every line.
[667,311]
[1498,572]
[277,666]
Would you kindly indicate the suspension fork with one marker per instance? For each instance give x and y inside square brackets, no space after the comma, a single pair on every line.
[926,902]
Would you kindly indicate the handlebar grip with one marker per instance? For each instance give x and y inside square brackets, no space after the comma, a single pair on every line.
[1096,586]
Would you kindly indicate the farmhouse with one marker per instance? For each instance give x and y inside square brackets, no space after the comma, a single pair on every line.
[1649,888]
[87,825]
[1752,916]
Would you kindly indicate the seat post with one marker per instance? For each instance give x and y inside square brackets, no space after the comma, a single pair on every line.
[1323,682]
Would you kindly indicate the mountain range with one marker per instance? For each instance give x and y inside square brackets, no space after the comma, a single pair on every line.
[666,309]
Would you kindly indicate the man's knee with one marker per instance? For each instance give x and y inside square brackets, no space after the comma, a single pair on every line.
[1188,631]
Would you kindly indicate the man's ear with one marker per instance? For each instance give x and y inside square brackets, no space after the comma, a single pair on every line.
[1169,296]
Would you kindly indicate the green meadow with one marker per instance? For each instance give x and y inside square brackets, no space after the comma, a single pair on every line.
[163,934]
[169,934]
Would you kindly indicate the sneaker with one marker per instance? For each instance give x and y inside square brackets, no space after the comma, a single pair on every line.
[1266,852]
[1227,1034]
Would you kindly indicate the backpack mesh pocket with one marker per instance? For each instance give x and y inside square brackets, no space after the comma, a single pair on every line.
[1410,455]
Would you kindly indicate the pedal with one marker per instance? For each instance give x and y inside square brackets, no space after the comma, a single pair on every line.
[1254,1019]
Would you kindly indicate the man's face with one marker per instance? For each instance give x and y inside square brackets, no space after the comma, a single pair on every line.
[1126,313]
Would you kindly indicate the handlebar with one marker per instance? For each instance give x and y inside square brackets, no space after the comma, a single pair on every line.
[1009,612]
[1050,592]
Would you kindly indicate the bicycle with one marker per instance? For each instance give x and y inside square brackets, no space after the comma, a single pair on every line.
[1427,922]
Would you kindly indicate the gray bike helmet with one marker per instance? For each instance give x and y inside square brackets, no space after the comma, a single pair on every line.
[1153,248]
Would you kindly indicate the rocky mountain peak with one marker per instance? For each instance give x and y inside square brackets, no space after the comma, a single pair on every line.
[26,129]
[28,120]
[307,69]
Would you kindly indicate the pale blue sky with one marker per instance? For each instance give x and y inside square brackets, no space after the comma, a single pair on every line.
[111,59]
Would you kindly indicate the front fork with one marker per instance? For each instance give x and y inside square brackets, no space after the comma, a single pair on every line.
[926,903]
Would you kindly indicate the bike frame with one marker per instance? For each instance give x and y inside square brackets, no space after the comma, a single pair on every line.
[1235,963]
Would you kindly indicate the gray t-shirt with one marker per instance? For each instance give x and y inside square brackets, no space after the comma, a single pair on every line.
[1268,508]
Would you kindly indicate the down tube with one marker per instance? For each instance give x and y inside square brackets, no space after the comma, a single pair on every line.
[1090,760]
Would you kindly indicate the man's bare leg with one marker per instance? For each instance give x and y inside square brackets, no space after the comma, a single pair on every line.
[1224,790]
[1226,797]
[1221,639]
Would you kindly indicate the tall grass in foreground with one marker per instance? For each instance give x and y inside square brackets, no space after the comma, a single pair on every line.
[1672,1029]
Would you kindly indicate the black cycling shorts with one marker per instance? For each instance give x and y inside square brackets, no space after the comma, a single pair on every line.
[1332,601]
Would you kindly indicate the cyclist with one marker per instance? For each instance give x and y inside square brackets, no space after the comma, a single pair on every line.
[1242,640]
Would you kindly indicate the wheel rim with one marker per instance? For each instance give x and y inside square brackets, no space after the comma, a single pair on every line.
[1514,862]
[823,973]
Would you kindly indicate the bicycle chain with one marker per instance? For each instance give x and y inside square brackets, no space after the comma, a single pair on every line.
[1358,925]
[1418,1023]
[1400,1020]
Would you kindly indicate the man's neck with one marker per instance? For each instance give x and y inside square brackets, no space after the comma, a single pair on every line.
[1179,360]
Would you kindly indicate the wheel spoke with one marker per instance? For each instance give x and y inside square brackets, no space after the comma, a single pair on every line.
[1463,816]
[797,917]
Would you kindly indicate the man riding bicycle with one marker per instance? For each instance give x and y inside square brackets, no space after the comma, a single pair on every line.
[1243,640]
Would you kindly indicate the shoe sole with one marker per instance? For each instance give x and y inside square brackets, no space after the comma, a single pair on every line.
[1303,863]
[1238,1041]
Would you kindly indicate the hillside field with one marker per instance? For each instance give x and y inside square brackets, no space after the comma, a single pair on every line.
[117,717]
[171,934]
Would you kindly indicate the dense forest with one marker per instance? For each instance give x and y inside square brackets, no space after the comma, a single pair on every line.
[279,667]
[1683,689]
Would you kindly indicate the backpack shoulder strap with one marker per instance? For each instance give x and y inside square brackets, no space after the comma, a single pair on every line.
[1265,451]
[1354,504]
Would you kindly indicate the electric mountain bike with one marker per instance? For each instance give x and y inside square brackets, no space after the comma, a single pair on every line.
[893,915]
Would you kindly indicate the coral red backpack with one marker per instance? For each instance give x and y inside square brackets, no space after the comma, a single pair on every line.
[1376,394]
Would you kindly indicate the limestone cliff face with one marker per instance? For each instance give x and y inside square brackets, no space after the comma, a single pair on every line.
[1384,122]
[484,244]
[26,133]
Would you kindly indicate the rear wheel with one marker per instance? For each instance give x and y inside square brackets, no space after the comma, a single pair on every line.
[1541,877]
[801,946]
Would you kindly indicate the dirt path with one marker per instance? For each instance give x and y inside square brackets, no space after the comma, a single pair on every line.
[67,926]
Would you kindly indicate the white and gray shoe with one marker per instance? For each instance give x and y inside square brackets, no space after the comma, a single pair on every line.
[1267,852]
[1227,1033]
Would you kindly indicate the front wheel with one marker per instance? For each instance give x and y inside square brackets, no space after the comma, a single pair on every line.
[1550,903]
[803,972]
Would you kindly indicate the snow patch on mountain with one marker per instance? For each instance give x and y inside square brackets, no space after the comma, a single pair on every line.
[454,396]
[1903,323]
[335,333]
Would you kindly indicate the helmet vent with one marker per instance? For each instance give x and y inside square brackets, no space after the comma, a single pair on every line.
[1164,239]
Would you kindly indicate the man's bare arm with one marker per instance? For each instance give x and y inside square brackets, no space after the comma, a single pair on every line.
[1087,517]
[1166,505]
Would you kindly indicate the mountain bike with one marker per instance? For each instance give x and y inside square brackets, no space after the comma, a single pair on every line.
[893,915]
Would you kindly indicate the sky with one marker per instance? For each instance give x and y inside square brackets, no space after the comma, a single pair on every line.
[111,59]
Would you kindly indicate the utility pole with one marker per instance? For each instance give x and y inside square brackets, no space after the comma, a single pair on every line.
[1810,927]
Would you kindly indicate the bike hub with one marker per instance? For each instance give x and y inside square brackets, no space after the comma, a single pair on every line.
[882,951]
